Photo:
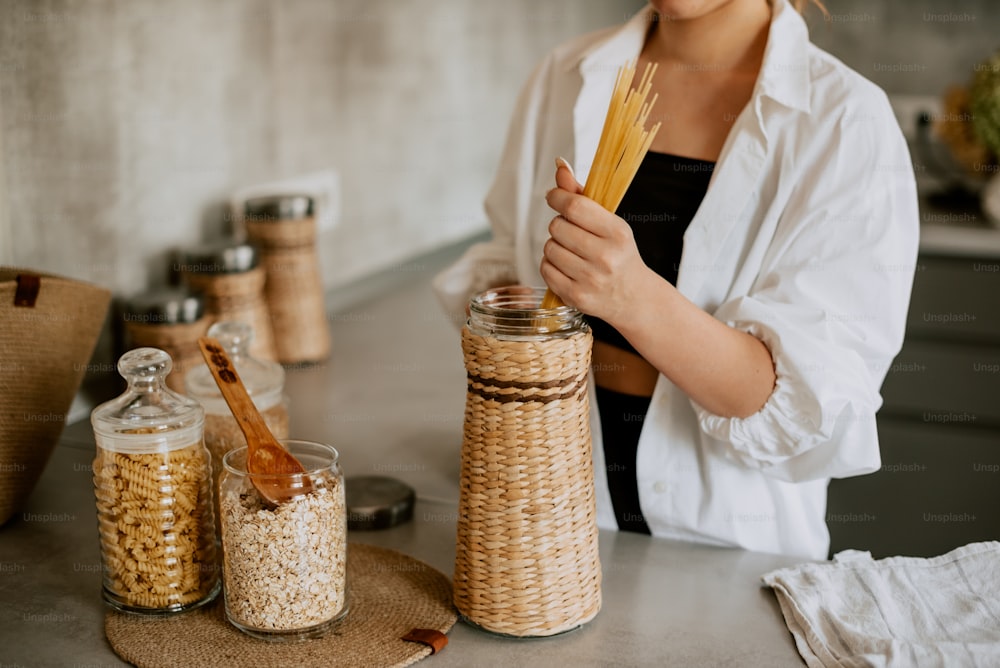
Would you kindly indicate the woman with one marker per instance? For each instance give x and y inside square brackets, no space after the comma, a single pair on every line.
[750,294]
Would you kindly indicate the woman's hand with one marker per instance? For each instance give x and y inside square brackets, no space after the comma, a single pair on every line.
[591,260]
[592,263]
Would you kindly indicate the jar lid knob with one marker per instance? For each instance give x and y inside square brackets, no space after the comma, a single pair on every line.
[234,336]
[144,364]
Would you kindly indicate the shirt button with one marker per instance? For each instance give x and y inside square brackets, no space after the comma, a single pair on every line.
[659,487]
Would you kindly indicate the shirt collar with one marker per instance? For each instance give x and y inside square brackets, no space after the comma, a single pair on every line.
[784,74]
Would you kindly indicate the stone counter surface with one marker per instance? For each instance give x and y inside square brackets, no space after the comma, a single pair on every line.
[391,400]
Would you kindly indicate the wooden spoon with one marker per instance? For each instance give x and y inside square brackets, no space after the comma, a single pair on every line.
[270,465]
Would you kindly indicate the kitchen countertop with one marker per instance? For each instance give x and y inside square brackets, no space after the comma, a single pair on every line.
[391,400]
[957,229]
[952,219]
[960,241]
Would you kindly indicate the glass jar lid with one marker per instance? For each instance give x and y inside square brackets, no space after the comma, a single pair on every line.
[169,306]
[225,257]
[278,207]
[148,416]
[264,380]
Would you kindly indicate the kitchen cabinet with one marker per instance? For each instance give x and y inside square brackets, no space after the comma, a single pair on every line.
[939,427]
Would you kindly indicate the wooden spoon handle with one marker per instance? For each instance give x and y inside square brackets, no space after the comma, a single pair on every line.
[234,392]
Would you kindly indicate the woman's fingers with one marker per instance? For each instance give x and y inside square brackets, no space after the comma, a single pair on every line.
[557,281]
[580,210]
[573,237]
[565,260]
[568,200]
[565,178]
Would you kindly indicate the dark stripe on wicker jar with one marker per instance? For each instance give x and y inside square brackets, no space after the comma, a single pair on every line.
[484,388]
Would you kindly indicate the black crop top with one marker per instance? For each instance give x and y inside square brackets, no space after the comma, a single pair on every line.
[659,205]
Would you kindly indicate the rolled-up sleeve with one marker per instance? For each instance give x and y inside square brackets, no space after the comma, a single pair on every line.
[830,304]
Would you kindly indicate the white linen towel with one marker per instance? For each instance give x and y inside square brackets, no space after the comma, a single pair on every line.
[899,611]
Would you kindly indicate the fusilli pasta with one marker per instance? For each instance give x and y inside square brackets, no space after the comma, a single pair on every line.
[156,526]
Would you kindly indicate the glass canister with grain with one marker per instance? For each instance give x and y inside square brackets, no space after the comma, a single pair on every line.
[264,381]
[152,484]
[285,565]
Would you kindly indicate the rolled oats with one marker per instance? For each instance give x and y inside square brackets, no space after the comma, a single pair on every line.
[285,568]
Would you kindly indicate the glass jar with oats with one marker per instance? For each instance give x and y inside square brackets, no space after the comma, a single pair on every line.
[285,565]
[265,382]
[152,480]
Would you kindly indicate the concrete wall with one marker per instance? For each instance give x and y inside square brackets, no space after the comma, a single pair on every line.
[909,47]
[124,126]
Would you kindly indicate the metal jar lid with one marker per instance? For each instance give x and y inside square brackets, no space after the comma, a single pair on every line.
[227,257]
[278,207]
[169,306]
[377,502]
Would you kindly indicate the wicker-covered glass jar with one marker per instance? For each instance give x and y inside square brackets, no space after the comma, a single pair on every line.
[284,229]
[229,276]
[527,559]
[154,505]
[170,319]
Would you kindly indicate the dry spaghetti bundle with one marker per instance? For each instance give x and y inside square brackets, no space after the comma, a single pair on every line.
[623,144]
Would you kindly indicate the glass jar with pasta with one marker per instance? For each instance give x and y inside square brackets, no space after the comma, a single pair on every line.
[154,503]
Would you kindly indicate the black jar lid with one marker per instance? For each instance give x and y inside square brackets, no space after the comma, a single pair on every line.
[377,502]
[169,306]
[223,257]
[278,207]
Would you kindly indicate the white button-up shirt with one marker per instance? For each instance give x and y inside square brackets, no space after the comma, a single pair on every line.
[807,238]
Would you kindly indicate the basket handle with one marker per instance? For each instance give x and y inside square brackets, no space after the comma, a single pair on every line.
[26,293]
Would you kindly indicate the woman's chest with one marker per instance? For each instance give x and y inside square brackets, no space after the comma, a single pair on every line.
[696,111]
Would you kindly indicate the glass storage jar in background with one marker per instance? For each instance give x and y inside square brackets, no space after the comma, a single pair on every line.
[154,504]
[284,229]
[171,319]
[526,560]
[230,278]
[285,566]
[264,381]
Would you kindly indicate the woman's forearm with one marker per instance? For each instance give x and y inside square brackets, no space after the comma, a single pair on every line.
[726,371]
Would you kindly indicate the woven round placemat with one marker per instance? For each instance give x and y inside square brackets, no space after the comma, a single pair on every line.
[390,594]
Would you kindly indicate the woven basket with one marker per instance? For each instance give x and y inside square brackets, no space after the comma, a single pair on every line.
[48,329]
[294,288]
[527,559]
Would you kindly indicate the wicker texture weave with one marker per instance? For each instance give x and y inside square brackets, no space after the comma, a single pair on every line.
[238,297]
[390,593]
[294,288]
[180,341]
[527,559]
[44,353]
